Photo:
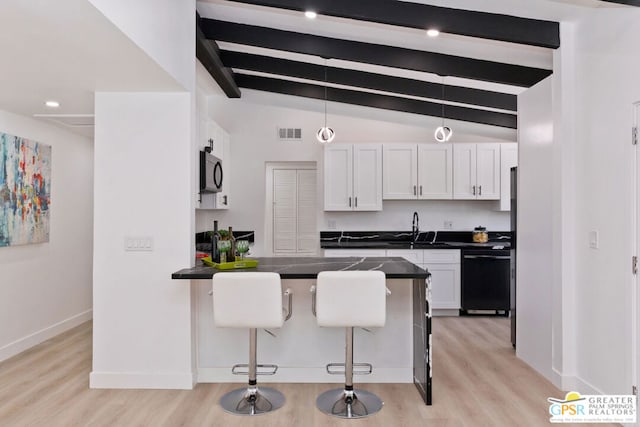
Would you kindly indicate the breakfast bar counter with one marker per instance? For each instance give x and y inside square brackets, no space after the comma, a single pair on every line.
[309,267]
[408,316]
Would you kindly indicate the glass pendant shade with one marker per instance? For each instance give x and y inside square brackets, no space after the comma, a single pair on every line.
[325,135]
[443,133]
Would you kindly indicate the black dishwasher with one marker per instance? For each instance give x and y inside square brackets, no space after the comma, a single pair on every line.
[485,281]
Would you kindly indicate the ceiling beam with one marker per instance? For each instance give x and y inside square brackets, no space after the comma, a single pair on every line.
[362,79]
[418,60]
[368,99]
[627,2]
[484,25]
[208,54]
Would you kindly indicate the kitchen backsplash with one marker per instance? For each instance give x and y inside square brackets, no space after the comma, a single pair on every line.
[401,236]
[396,215]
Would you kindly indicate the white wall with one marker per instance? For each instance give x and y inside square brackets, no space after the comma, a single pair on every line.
[607,67]
[46,288]
[143,177]
[252,124]
[535,238]
[164,29]
[563,167]
[574,313]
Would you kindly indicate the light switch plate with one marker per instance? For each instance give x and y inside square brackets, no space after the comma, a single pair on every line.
[331,224]
[138,244]
[448,225]
[594,241]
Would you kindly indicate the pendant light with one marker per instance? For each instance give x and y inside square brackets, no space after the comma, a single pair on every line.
[325,134]
[443,133]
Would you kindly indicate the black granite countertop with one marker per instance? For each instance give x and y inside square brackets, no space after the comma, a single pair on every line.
[403,240]
[309,267]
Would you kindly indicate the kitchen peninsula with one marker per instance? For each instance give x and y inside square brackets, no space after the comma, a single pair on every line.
[399,352]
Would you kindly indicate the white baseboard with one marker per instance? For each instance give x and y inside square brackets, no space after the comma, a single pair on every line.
[575,383]
[42,335]
[138,380]
[446,312]
[307,375]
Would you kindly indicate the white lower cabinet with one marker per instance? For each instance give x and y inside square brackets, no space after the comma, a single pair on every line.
[411,255]
[443,264]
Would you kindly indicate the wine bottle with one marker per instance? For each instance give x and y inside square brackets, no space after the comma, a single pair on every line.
[231,257]
[215,238]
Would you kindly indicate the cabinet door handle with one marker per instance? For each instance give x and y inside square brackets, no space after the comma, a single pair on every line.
[225,200]
[421,190]
[480,192]
[356,201]
[349,201]
[474,190]
[414,190]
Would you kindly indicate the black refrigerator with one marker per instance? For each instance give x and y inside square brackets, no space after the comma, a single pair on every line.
[514,250]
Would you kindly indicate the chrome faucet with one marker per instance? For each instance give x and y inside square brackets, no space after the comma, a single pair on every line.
[415,227]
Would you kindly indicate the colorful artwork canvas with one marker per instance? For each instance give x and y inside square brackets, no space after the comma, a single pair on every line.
[25,191]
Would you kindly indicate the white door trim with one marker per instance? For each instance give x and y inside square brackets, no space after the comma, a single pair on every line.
[635,242]
[268,208]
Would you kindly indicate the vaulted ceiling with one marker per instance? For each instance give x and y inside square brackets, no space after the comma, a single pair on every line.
[376,53]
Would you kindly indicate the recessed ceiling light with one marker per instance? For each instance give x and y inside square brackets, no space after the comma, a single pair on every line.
[433,32]
[52,104]
[310,14]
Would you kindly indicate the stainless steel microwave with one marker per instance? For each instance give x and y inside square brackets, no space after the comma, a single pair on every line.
[210,173]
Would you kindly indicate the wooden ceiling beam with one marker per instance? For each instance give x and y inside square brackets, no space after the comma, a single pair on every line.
[470,23]
[627,2]
[418,60]
[374,100]
[208,53]
[362,79]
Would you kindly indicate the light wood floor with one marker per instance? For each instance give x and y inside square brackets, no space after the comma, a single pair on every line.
[477,382]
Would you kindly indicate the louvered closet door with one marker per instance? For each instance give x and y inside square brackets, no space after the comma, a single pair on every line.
[307,233]
[294,212]
[284,211]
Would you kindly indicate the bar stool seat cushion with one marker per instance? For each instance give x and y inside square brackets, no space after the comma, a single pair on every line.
[351,298]
[247,300]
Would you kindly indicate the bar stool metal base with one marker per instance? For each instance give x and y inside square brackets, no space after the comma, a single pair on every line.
[252,401]
[349,404]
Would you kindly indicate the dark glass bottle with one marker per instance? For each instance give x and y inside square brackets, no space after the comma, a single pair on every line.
[231,256]
[215,238]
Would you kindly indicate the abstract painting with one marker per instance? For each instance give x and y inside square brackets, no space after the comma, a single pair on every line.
[25,191]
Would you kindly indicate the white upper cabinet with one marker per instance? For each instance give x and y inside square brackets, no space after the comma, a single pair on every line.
[488,171]
[222,197]
[476,171]
[464,175]
[508,159]
[338,177]
[367,177]
[208,130]
[418,171]
[353,177]
[400,172]
[435,171]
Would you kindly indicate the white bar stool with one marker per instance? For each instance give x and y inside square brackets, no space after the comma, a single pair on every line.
[350,299]
[250,300]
